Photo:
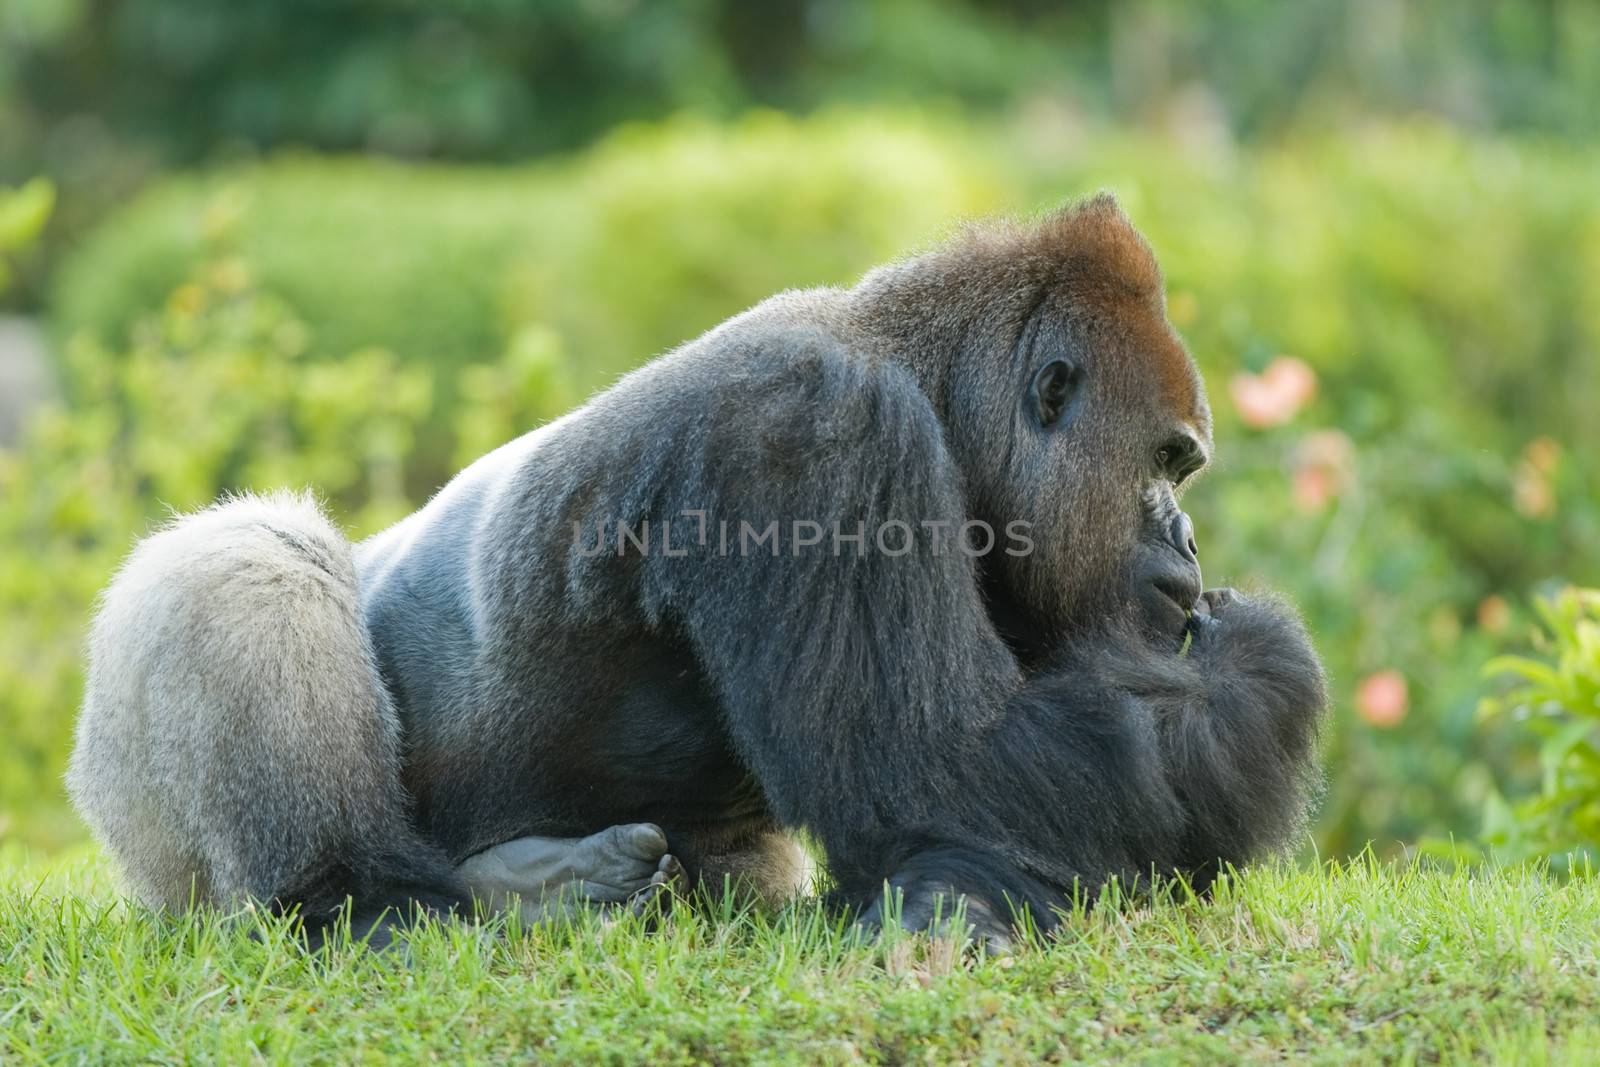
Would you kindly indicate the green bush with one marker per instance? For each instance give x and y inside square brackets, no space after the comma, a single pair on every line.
[630,248]
[370,253]
[1394,325]
[1556,703]
[638,245]
[497,80]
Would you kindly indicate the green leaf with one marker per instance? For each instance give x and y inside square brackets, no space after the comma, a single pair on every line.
[1560,743]
[1532,670]
[24,212]
[1499,825]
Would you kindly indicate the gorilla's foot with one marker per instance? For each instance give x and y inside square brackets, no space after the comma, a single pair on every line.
[620,862]
[543,877]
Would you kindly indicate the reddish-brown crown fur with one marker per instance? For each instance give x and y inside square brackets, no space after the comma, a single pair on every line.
[1105,263]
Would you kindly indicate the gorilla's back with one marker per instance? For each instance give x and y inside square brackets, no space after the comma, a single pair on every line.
[419,598]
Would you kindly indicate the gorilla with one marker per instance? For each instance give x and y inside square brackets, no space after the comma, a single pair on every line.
[901,566]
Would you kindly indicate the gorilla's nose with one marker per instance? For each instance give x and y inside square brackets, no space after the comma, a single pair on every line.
[1182,536]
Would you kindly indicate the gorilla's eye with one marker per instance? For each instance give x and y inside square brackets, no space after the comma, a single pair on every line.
[1180,457]
[1054,387]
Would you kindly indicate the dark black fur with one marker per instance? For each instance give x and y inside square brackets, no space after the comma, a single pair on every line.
[1012,728]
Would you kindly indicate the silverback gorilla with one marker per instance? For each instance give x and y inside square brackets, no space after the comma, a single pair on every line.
[900,565]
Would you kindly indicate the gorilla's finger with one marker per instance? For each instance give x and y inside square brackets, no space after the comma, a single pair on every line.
[934,914]
[987,929]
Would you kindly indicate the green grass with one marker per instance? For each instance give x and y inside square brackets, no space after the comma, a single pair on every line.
[1360,962]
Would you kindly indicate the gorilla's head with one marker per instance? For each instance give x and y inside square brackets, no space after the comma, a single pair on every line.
[1068,402]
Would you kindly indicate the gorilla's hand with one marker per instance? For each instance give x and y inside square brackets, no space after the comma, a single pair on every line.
[1199,760]
[934,908]
[947,888]
[1212,605]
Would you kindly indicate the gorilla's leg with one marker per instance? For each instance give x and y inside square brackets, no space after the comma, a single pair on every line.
[546,876]
[236,742]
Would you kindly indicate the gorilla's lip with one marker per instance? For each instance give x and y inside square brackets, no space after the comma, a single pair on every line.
[1164,577]
[1180,585]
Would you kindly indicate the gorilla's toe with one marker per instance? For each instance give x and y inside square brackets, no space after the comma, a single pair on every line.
[639,840]
[656,897]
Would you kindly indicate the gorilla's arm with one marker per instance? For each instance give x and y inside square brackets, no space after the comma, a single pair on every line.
[872,698]
[1126,759]
[1238,719]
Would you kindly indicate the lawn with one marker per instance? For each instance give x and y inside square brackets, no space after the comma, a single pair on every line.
[1362,960]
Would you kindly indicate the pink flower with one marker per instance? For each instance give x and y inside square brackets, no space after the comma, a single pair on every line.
[1274,396]
[1542,454]
[1531,491]
[1382,699]
[1324,467]
[1494,614]
[1313,488]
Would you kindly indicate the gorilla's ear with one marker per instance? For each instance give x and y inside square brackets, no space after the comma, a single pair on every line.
[1054,388]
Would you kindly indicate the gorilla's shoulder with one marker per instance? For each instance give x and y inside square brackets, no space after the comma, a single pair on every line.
[792,378]
[789,376]
[790,337]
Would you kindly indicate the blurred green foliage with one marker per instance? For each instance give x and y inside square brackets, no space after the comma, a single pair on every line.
[102,94]
[498,79]
[1395,325]
[1555,700]
[632,247]
[23,214]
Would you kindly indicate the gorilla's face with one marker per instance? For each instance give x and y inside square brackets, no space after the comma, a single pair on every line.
[1069,404]
[1110,422]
